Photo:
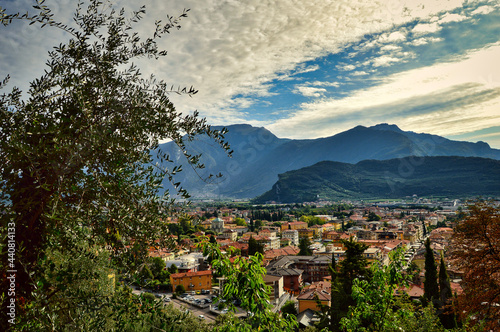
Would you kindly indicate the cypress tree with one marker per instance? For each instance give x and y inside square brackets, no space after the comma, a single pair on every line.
[431,287]
[446,316]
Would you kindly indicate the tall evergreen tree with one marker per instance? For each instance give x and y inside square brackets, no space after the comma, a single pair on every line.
[304,244]
[254,247]
[353,266]
[446,316]
[431,287]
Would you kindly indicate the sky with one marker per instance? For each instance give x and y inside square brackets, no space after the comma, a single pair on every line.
[315,68]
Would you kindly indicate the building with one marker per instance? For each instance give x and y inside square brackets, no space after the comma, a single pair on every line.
[313,268]
[291,234]
[305,233]
[217,225]
[230,234]
[192,281]
[275,284]
[308,298]
[293,225]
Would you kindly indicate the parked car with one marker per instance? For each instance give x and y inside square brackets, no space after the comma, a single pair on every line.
[167,299]
[201,317]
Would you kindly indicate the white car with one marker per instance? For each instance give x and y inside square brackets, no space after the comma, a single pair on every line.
[201,317]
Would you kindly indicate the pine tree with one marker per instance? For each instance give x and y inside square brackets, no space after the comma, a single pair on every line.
[304,244]
[254,247]
[353,266]
[431,287]
[446,316]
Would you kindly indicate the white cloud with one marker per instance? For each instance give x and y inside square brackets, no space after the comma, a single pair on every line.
[425,40]
[324,83]
[308,91]
[391,48]
[467,90]
[426,28]
[392,37]
[347,67]
[228,48]
[384,61]
[483,10]
[447,18]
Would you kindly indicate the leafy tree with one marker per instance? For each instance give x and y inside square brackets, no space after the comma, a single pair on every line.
[244,280]
[212,239]
[374,299]
[381,307]
[431,286]
[289,308]
[354,264]
[353,267]
[79,159]
[254,247]
[173,269]
[145,276]
[476,250]
[179,289]
[156,265]
[373,217]
[304,244]
[240,222]
[258,224]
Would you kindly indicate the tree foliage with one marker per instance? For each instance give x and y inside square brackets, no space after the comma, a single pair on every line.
[375,300]
[304,244]
[243,279]
[78,155]
[353,267]
[431,286]
[255,247]
[476,250]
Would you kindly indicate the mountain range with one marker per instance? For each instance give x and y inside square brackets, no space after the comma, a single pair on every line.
[458,177]
[259,156]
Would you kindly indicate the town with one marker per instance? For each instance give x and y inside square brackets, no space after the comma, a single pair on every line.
[298,243]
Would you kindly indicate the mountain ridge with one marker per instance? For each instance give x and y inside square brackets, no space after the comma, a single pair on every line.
[259,155]
[395,178]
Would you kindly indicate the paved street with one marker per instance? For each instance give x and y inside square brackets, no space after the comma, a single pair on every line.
[195,311]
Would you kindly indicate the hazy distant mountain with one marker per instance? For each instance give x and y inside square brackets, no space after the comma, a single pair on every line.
[259,156]
[395,178]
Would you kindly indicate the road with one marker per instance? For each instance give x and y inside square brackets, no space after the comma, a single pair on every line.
[195,311]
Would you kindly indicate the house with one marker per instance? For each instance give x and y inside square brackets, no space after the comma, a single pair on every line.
[305,233]
[313,268]
[293,225]
[308,298]
[291,234]
[192,281]
[217,225]
[276,286]
[230,234]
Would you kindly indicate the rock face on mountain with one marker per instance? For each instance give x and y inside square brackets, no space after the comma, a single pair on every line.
[394,178]
[259,156]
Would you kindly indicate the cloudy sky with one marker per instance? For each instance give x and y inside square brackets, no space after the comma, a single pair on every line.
[307,69]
